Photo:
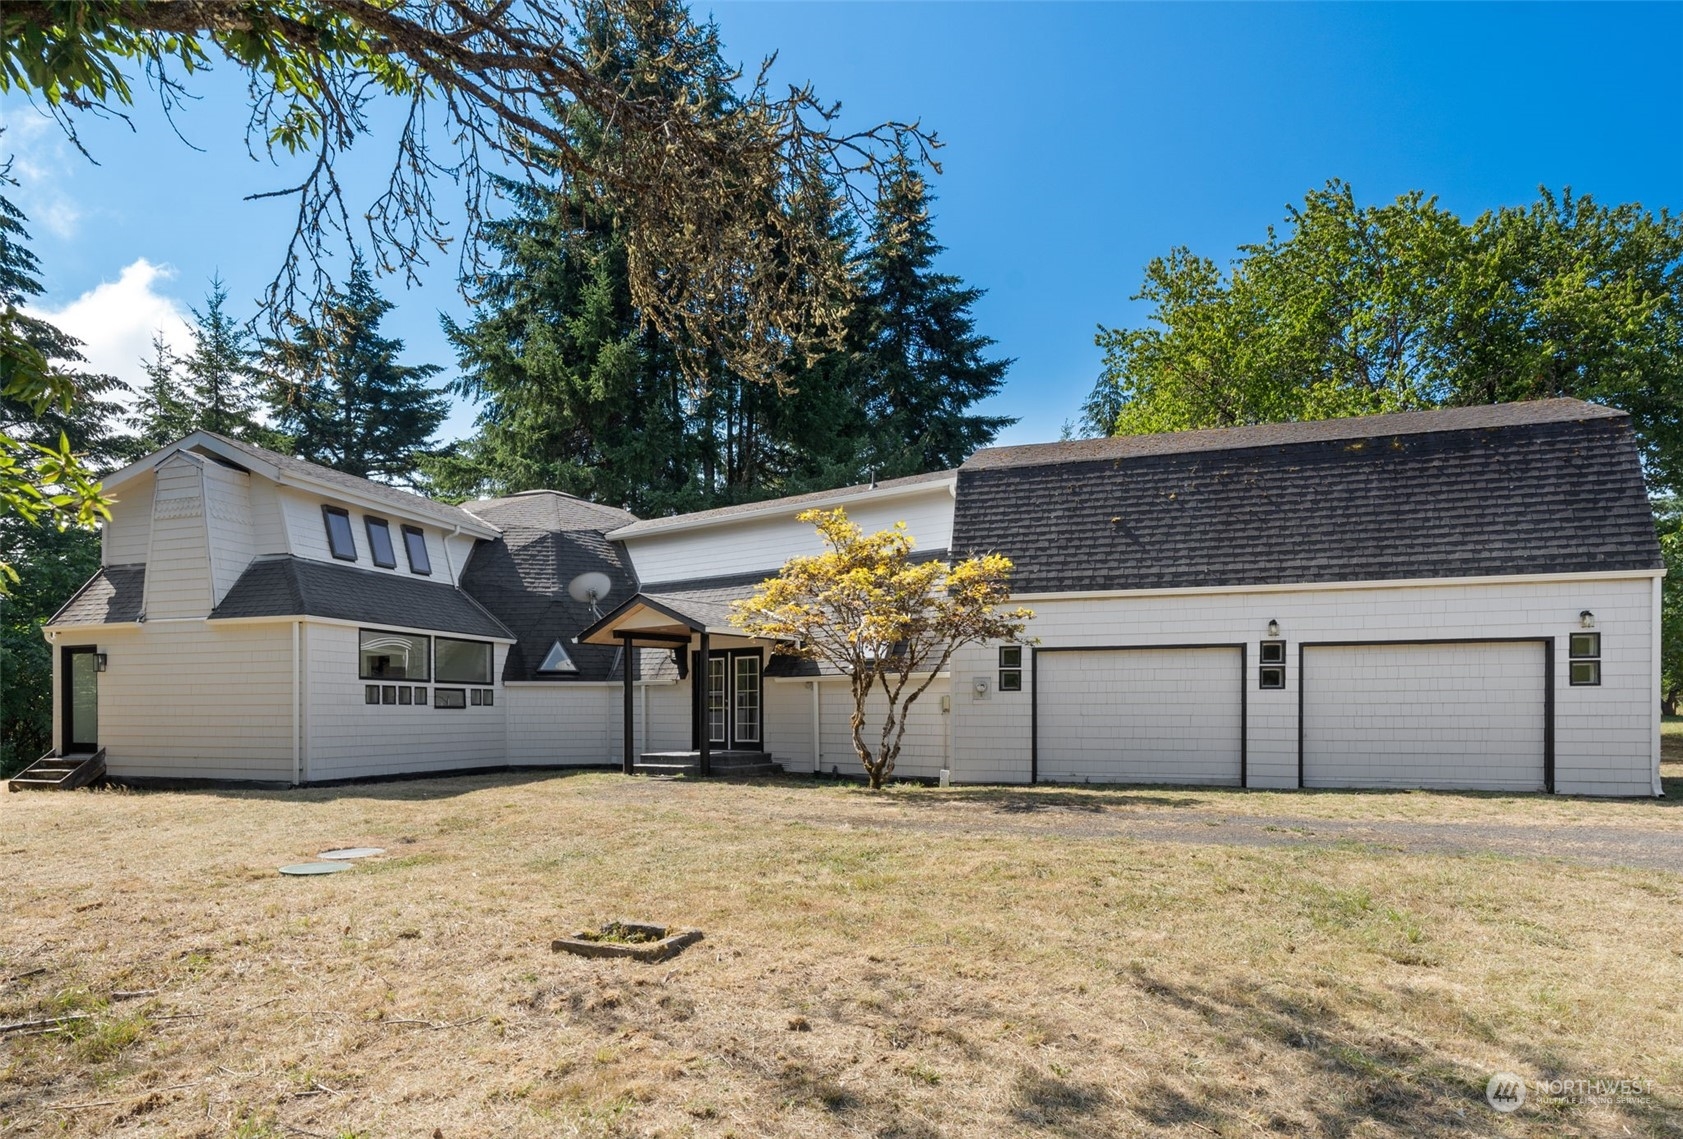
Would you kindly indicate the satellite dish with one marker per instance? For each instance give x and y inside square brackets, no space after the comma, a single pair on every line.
[589,588]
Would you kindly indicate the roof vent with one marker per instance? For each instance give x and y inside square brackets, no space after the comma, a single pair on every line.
[557,660]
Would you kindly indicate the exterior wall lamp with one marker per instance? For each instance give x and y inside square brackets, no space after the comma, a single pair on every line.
[99,662]
[1586,620]
[1273,628]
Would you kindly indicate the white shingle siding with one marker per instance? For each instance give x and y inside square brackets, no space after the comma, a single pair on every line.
[1603,736]
[349,739]
[228,519]
[789,734]
[129,532]
[762,543]
[194,699]
[178,581]
[579,724]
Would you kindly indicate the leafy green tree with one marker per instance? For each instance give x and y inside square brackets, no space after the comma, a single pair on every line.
[45,527]
[161,412]
[1668,515]
[925,362]
[1357,309]
[342,399]
[221,374]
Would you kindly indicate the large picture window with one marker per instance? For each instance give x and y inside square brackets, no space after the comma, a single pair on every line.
[392,656]
[463,662]
[339,537]
[380,542]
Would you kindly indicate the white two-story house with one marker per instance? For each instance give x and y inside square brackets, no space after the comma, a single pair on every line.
[1464,599]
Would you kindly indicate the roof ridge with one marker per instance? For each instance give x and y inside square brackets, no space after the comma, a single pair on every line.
[1249,436]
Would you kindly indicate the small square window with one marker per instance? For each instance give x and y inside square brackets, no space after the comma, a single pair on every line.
[388,694]
[415,545]
[340,541]
[1010,680]
[1584,646]
[1272,652]
[371,694]
[421,697]
[490,697]
[449,698]
[476,697]
[1271,676]
[1010,656]
[1586,673]
[405,694]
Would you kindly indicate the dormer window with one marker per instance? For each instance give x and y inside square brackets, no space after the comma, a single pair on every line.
[380,542]
[339,538]
[557,660]
[415,544]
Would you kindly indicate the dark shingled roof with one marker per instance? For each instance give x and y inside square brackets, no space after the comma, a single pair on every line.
[1553,486]
[299,587]
[111,596]
[548,539]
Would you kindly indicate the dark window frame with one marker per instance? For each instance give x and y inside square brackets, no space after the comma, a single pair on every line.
[1589,662]
[1271,677]
[448,697]
[1010,668]
[416,538]
[328,514]
[370,693]
[370,524]
[426,655]
[490,662]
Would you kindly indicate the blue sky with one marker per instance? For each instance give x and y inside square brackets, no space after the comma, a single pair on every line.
[1082,140]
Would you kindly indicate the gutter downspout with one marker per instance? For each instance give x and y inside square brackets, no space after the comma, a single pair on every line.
[643,734]
[817,729]
[297,704]
[1654,696]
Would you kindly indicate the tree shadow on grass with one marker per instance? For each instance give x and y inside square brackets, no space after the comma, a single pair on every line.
[1356,1076]
[414,788]
[1065,1107]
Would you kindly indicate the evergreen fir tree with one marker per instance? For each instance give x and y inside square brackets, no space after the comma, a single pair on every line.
[925,360]
[161,414]
[341,398]
[220,374]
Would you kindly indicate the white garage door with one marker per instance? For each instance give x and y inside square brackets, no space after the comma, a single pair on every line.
[1452,716]
[1139,715]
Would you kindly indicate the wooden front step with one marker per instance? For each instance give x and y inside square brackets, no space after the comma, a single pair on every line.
[54,772]
[728,764]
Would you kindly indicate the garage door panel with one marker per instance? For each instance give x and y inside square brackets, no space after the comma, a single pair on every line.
[1140,715]
[1467,716]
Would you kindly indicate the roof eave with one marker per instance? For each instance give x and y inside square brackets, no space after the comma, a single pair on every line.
[684,523]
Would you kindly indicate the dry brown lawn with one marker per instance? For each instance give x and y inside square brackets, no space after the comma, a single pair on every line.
[865,971]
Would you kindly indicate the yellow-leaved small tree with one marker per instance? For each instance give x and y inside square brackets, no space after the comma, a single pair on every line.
[887,622]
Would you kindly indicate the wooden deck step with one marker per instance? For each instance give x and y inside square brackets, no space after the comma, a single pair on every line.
[721,764]
[54,772]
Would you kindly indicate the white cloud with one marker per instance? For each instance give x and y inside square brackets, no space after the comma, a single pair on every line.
[116,320]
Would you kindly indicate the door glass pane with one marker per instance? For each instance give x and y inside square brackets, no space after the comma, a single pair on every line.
[716,701]
[84,700]
[748,699]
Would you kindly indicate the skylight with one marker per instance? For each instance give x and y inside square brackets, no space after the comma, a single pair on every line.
[557,660]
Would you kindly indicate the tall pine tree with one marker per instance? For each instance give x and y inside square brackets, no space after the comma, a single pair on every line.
[220,374]
[926,362]
[341,398]
[161,413]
